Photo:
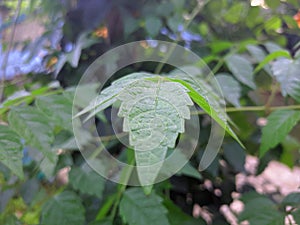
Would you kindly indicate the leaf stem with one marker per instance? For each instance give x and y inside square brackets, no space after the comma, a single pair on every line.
[253,109]
[122,187]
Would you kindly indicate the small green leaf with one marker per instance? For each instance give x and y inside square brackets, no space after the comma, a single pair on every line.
[63,209]
[230,87]
[136,208]
[102,222]
[152,25]
[11,151]
[33,126]
[242,69]
[286,72]
[87,181]
[280,123]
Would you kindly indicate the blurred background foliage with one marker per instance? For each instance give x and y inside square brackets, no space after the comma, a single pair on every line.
[251,46]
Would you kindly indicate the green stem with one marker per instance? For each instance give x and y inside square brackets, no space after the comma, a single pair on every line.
[272,96]
[252,108]
[127,173]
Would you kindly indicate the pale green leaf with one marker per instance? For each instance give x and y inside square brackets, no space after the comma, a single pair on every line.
[33,126]
[242,69]
[230,87]
[154,112]
[259,55]
[280,123]
[86,181]
[286,72]
[136,208]
[11,151]
[109,95]
[63,209]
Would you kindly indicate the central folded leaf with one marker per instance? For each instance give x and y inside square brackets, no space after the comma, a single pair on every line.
[154,112]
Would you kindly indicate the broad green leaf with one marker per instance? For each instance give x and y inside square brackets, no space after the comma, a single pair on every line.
[109,95]
[58,109]
[202,102]
[33,126]
[11,151]
[259,210]
[152,25]
[286,72]
[87,181]
[280,123]
[230,87]
[242,69]
[154,112]
[63,209]
[274,55]
[138,209]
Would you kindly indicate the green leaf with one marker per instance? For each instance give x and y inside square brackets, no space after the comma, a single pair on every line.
[102,222]
[235,156]
[86,181]
[242,69]
[259,55]
[296,216]
[259,210]
[11,151]
[109,95]
[202,102]
[274,55]
[63,209]
[177,217]
[280,123]
[154,118]
[138,209]
[286,72]
[58,109]
[230,87]
[189,170]
[34,127]
[292,199]
[153,25]
[236,13]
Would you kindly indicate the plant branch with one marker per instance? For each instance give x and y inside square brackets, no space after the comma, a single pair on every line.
[253,109]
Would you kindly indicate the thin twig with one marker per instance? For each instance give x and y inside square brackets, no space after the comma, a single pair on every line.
[10,44]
